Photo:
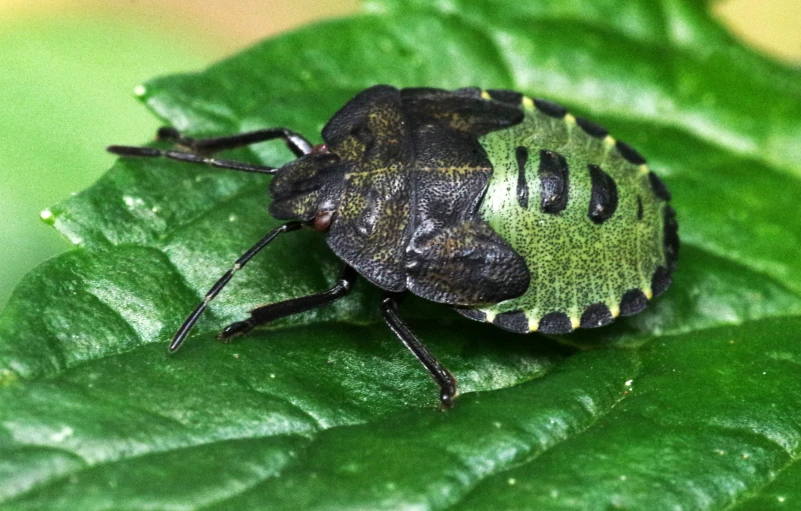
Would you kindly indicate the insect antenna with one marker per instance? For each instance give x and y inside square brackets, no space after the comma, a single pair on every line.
[190,321]
[149,152]
[294,141]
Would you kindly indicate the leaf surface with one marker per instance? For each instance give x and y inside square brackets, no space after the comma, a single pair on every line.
[693,404]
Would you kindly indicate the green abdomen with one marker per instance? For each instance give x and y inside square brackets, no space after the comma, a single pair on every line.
[587,216]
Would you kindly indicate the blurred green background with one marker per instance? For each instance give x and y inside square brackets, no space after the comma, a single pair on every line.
[68,68]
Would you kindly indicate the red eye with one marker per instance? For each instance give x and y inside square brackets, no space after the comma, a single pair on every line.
[322,222]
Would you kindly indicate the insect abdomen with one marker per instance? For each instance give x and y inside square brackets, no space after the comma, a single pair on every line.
[587,215]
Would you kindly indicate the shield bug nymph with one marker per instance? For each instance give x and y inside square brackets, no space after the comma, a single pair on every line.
[507,208]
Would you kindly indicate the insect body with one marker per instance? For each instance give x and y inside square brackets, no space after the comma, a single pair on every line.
[509,209]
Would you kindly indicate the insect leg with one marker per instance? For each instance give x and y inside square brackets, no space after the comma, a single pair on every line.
[294,141]
[443,377]
[271,312]
[190,321]
[149,152]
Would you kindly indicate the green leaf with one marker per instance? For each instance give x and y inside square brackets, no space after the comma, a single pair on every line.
[693,404]
[60,70]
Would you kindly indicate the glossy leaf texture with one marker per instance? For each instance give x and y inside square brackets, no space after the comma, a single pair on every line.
[694,404]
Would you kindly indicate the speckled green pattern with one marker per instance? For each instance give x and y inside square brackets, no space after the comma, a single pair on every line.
[574,262]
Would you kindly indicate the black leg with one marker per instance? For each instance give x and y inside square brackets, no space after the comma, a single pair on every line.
[149,152]
[294,141]
[190,321]
[443,377]
[273,311]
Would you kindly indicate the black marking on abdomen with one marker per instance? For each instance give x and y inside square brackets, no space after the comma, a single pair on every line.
[592,129]
[554,181]
[596,315]
[660,281]
[506,96]
[521,154]
[555,323]
[474,314]
[603,196]
[512,321]
[629,153]
[658,186]
[634,301]
[550,109]
[671,238]
[639,208]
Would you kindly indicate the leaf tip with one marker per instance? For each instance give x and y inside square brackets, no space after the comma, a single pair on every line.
[47,217]
[140,91]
